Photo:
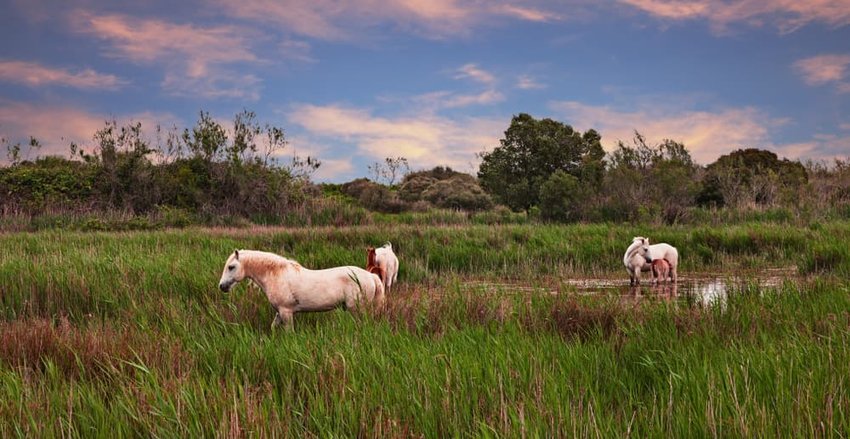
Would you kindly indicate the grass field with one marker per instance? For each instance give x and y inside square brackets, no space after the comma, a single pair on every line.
[126,334]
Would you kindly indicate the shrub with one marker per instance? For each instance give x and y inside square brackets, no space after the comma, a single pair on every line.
[459,192]
[561,198]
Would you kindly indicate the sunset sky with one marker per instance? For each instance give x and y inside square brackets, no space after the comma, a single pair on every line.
[434,81]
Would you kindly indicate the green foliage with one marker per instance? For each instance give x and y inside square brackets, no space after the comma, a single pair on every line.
[219,178]
[460,191]
[646,180]
[414,185]
[531,151]
[752,177]
[562,198]
[127,333]
[47,182]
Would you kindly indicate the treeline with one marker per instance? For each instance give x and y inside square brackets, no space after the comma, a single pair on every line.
[211,174]
[204,172]
[547,169]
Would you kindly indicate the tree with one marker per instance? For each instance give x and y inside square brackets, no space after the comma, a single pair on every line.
[751,177]
[531,151]
[207,140]
[656,179]
[391,170]
[561,198]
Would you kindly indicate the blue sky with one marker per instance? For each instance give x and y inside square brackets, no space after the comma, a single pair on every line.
[352,82]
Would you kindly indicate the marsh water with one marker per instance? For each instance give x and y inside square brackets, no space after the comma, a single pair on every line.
[701,288]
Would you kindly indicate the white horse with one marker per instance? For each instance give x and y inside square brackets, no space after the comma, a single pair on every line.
[387,261]
[292,288]
[639,256]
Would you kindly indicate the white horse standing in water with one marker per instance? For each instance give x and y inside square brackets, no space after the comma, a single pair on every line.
[292,288]
[639,256]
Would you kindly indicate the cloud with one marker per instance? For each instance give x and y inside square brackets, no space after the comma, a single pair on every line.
[529,14]
[37,75]
[475,73]
[333,165]
[431,102]
[526,82]
[821,147]
[296,50]
[195,58]
[707,135]
[486,97]
[824,69]
[57,126]
[425,139]
[786,15]
[335,20]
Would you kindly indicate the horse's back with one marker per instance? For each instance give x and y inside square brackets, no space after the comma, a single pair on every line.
[388,261]
[664,251]
[358,278]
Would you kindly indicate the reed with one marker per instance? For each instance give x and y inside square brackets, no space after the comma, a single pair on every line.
[126,334]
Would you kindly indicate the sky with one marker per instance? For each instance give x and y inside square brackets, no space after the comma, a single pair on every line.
[434,81]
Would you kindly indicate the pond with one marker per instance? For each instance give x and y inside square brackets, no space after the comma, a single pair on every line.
[703,288]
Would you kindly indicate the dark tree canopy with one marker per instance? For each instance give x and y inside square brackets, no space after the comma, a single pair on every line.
[750,176]
[531,151]
[657,179]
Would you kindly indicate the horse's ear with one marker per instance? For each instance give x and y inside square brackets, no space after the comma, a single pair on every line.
[236,254]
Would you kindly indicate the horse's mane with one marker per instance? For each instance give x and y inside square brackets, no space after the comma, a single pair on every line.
[637,241]
[266,261]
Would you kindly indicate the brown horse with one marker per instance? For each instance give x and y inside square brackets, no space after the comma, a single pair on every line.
[660,270]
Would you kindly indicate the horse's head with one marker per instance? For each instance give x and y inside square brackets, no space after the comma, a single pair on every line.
[370,257]
[641,245]
[233,272]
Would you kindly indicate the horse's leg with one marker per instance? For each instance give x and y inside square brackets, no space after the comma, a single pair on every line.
[276,321]
[673,275]
[386,280]
[380,297]
[283,316]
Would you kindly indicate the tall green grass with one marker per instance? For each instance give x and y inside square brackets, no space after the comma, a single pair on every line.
[125,334]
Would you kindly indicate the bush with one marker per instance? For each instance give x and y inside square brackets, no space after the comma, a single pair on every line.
[412,188]
[459,192]
[561,198]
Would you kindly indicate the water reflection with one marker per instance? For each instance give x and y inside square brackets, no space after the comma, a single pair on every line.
[706,290]
[711,294]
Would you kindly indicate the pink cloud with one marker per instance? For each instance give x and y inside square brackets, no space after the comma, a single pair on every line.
[528,14]
[334,20]
[787,15]
[195,58]
[475,73]
[707,135]
[822,69]
[37,75]
[486,97]
[526,82]
[425,139]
